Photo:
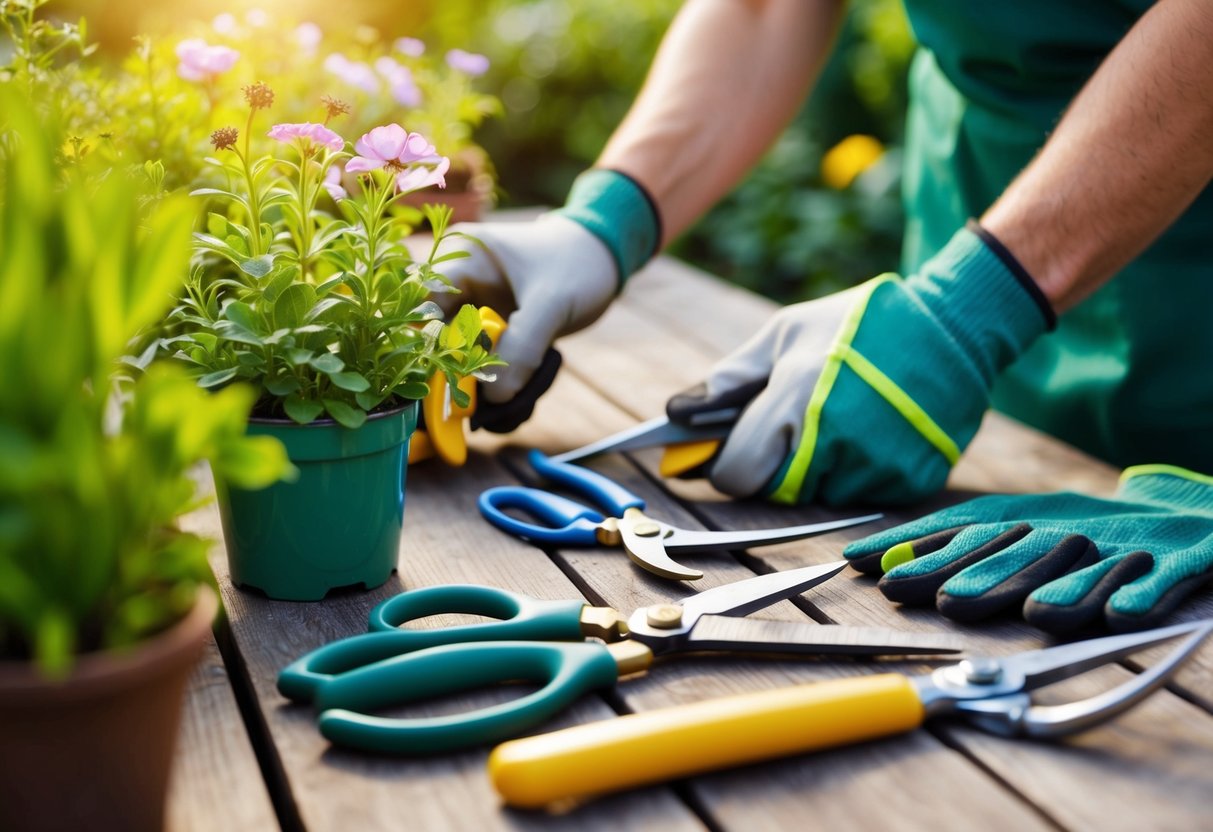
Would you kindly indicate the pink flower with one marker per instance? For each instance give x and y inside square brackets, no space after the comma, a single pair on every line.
[224,24]
[355,73]
[308,35]
[203,62]
[400,81]
[309,134]
[410,46]
[468,63]
[409,156]
[332,183]
[420,177]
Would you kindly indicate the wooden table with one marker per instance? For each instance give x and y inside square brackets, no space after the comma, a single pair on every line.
[249,760]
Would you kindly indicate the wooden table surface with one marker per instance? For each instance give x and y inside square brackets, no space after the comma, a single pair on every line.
[247,759]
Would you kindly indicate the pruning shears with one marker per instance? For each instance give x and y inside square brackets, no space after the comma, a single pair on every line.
[622,520]
[544,642]
[991,693]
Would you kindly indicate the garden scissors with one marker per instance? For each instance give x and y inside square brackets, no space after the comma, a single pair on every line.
[993,694]
[543,642]
[688,442]
[623,522]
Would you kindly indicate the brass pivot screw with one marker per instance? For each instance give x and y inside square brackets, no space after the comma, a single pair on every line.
[664,616]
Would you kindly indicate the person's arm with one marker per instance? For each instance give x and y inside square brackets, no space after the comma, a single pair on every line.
[728,78]
[1131,153]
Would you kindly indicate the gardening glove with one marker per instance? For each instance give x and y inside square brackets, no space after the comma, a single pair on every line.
[1125,562]
[549,278]
[872,394]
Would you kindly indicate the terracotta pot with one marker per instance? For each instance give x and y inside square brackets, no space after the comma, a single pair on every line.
[94,751]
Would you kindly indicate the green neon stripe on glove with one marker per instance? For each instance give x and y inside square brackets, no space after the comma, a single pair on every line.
[616,209]
[1070,560]
[907,379]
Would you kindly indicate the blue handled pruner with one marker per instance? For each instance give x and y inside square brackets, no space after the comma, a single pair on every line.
[622,522]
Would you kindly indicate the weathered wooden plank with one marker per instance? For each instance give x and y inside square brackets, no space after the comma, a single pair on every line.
[1018,460]
[216,783]
[337,789]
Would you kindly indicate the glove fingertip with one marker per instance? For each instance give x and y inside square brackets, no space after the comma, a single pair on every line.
[896,555]
[1084,597]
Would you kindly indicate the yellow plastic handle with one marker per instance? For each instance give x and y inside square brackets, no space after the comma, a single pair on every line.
[443,418]
[676,742]
[683,456]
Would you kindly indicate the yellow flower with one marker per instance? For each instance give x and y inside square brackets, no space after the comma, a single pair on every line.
[849,158]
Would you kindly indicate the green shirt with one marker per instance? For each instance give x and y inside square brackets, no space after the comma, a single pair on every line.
[1128,374]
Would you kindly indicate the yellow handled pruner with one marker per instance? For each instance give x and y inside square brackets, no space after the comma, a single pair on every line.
[665,744]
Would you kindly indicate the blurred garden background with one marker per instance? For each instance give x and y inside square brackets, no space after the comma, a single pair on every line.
[821,212]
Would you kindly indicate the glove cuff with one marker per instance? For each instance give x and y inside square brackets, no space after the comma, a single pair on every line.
[1167,485]
[985,299]
[616,209]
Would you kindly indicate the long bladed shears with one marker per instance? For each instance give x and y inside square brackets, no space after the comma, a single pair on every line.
[543,642]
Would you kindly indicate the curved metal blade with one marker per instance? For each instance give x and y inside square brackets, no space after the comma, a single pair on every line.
[1039,668]
[691,541]
[745,597]
[659,431]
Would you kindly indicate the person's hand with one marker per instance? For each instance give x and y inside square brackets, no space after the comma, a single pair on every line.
[1068,559]
[548,278]
[872,394]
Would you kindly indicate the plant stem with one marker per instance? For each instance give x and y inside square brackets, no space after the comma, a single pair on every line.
[254,198]
[305,217]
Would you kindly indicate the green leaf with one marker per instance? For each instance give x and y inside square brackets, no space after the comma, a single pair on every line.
[236,242]
[298,355]
[292,306]
[218,377]
[258,266]
[460,398]
[281,386]
[350,417]
[328,363]
[282,278]
[216,224]
[368,401]
[54,642]
[254,462]
[242,315]
[467,321]
[412,390]
[304,411]
[354,382]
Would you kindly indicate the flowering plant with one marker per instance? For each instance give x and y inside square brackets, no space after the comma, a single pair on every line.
[323,313]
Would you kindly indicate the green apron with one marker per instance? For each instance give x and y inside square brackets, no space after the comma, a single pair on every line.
[1128,374]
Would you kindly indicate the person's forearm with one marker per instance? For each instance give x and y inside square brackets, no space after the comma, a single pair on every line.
[1131,153]
[729,76]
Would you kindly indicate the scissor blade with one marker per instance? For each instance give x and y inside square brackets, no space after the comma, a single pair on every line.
[659,431]
[745,597]
[690,541]
[1052,664]
[721,633]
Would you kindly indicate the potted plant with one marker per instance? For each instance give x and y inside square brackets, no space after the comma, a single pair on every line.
[104,603]
[328,316]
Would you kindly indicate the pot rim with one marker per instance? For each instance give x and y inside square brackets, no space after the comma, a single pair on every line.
[329,422]
[102,671]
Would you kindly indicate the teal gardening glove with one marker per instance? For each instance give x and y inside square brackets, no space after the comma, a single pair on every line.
[872,394]
[1070,560]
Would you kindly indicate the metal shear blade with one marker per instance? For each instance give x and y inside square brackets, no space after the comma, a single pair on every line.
[649,542]
[994,693]
[711,621]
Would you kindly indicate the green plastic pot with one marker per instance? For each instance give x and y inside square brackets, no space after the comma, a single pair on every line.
[338,524]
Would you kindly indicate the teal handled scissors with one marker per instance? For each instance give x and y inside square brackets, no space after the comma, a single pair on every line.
[544,642]
[648,542]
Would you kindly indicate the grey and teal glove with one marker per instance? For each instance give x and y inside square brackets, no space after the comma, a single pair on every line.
[549,277]
[1069,560]
[872,394]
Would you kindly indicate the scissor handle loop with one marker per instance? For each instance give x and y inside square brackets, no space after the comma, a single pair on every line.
[565,671]
[521,618]
[602,491]
[567,522]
